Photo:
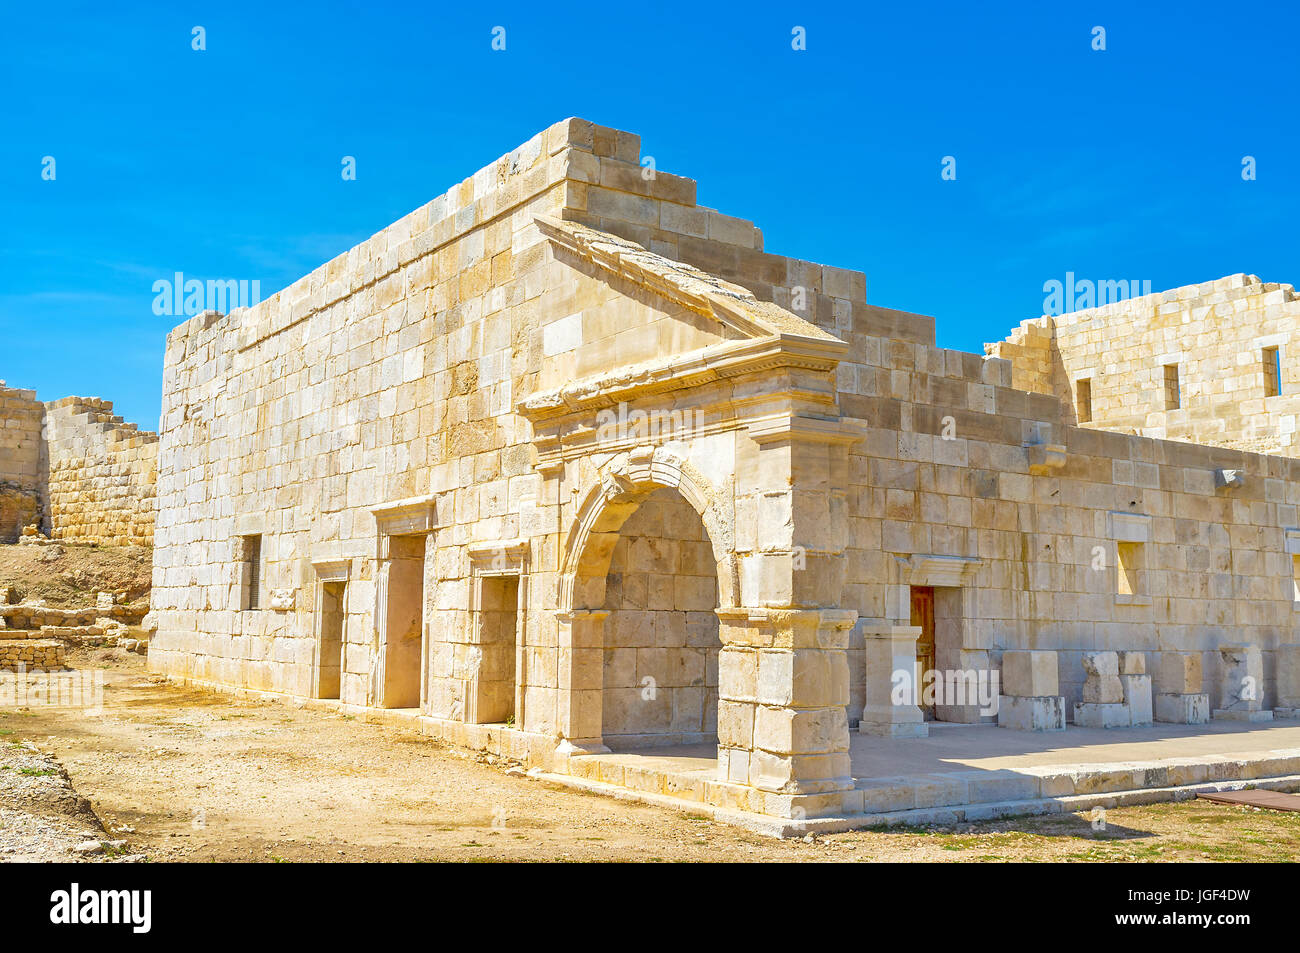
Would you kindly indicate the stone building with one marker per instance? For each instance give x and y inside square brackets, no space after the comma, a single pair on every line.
[1211,363]
[562,461]
[74,469]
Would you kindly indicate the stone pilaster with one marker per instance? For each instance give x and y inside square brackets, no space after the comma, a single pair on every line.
[581,637]
[783,688]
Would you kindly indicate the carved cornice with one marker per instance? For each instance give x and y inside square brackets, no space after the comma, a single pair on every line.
[696,368]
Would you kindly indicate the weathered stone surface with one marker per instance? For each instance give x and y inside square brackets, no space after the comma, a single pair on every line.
[1288,676]
[1138,699]
[1241,678]
[1101,685]
[1184,709]
[1025,713]
[1179,673]
[75,470]
[1029,673]
[1105,715]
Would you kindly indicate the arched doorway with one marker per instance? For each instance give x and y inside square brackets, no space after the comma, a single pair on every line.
[614,634]
[660,653]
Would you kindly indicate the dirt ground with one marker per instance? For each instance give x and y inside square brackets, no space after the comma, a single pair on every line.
[186,775]
[68,575]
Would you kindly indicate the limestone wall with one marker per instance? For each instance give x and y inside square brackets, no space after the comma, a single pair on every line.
[1216,566]
[102,472]
[1215,333]
[75,469]
[21,461]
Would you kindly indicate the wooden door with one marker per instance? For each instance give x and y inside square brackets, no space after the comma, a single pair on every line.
[923,616]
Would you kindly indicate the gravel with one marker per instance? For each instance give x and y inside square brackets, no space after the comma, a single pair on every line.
[41,817]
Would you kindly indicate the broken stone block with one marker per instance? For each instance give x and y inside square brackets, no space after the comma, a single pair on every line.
[1132,663]
[1183,709]
[1031,713]
[1137,697]
[1241,681]
[1101,684]
[1029,674]
[1178,673]
[1102,715]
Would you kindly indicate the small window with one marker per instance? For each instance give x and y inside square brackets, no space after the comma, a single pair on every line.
[1127,556]
[1272,372]
[1173,398]
[250,581]
[1083,399]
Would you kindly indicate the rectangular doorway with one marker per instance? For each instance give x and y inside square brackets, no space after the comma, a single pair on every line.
[923,616]
[404,622]
[496,684]
[330,639]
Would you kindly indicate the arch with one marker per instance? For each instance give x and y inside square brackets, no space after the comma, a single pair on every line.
[613,498]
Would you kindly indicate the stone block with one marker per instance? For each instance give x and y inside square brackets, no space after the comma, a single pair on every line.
[1182,709]
[1178,673]
[1029,674]
[1242,714]
[1031,713]
[1288,676]
[1091,715]
[1132,663]
[1101,685]
[1241,679]
[1137,696]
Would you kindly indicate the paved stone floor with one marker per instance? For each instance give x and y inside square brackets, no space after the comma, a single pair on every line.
[966,772]
[953,747]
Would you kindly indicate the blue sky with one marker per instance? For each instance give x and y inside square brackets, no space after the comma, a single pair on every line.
[226,163]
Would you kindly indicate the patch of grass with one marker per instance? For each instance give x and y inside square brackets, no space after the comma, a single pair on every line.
[37,772]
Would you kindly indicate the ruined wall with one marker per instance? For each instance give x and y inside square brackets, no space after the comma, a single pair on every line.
[102,473]
[21,461]
[75,470]
[1215,333]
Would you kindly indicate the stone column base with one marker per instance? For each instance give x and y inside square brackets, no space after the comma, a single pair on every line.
[1031,712]
[1099,715]
[1183,709]
[893,722]
[891,710]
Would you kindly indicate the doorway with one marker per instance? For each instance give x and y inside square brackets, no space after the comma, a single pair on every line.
[923,617]
[496,684]
[330,640]
[404,623]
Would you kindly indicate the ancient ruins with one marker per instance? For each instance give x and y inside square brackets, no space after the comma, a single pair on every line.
[74,470]
[565,466]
